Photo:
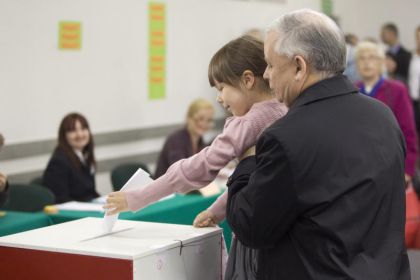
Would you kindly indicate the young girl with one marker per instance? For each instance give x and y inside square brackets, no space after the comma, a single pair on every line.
[236,70]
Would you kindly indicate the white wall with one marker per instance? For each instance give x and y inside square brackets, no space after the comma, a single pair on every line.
[107,79]
[365,18]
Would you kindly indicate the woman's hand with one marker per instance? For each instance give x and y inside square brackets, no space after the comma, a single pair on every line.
[205,219]
[116,203]
[247,153]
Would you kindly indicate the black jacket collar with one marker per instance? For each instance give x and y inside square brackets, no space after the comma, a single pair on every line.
[337,85]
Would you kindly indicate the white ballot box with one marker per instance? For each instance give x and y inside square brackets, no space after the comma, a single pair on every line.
[133,250]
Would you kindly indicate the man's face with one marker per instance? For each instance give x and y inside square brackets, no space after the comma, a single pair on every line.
[387,36]
[280,71]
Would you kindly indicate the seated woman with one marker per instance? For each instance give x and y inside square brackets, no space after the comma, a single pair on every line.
[70,173]
[188,140]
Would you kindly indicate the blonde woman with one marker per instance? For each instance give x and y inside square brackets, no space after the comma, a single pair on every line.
[370,59]
[187,141]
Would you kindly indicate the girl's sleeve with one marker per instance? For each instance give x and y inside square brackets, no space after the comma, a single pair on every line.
[218,208]
[199,170]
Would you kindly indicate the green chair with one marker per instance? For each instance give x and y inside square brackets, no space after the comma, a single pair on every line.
[28,198]
[121,174]
[37,181]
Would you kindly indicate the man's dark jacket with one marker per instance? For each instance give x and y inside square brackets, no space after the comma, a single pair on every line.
[403,58]
[327,197]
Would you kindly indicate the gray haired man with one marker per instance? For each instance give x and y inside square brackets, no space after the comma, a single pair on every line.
[325,197]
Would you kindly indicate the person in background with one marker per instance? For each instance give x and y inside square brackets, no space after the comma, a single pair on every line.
[370,60]
[4,186]
[414,79]
[189,140]
[389,35]
[391,67]
[70,173]
[351,71]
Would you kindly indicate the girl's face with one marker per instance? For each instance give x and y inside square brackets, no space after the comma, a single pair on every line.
[79,137]
[233,99]
[201,122]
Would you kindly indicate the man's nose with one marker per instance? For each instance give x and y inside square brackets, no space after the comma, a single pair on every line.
[265,75]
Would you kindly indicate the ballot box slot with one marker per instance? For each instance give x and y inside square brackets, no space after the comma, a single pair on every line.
[106,234]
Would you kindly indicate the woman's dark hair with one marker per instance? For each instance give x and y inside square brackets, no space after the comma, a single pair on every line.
[234,58]
[69,124]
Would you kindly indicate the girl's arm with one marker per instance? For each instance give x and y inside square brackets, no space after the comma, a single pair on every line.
[194,172]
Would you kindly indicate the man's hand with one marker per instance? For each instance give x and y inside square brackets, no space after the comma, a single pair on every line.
[116,203]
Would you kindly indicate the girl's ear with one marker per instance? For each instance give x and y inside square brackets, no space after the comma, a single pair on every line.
[248,79]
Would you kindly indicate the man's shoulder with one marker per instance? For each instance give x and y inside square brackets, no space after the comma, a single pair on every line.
[301,121]
[404,52]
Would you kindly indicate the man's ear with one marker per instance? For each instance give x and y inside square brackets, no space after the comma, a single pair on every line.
[301,67]
[248,79]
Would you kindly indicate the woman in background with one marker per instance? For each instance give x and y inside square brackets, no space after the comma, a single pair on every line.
[370,59]
[70,173]
[189,140]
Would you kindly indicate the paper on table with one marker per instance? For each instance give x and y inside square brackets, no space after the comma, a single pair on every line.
[79,206]
[100,200]
[140,179]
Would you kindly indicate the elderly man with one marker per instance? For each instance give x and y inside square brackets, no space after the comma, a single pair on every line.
[3,180]
[325,197]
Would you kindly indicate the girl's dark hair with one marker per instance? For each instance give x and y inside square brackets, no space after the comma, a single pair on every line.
[69,124]
[237,56]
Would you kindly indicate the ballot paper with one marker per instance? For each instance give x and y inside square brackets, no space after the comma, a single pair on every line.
[139,180]
[80,206]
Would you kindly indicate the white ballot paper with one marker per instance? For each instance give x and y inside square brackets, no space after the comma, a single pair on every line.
[140,179]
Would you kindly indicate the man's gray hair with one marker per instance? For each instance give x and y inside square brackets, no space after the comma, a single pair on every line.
[315,37]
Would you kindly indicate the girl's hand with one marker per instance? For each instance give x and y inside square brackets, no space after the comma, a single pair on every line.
[205,219]
[116,203]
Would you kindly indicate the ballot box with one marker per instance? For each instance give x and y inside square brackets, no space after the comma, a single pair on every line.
[133,250]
